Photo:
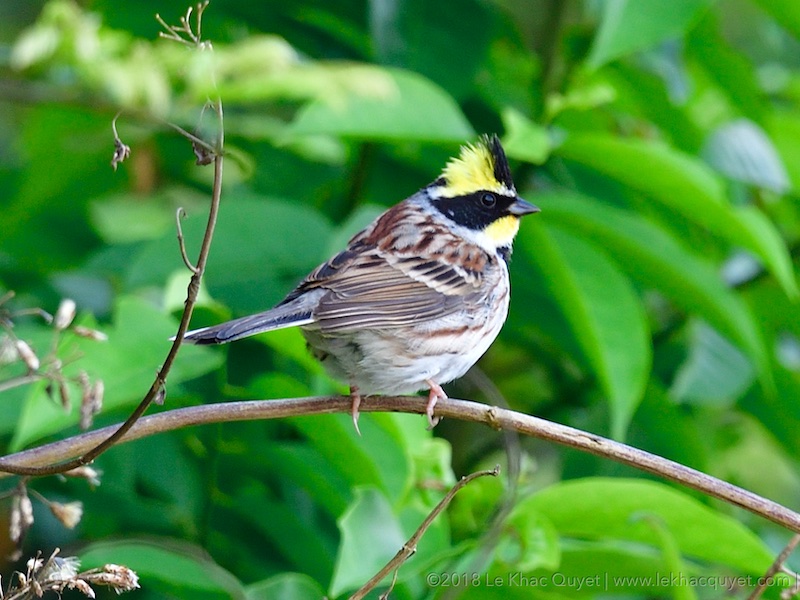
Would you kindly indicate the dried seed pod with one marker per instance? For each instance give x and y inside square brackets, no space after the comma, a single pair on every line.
[118,577]
[8,350]
[27,355]
[21,516]
[34,564]
[91,403]
[58,569]
[82,587]
[86,472]
[69,514]
[91,334]
[160,396]
[65,314]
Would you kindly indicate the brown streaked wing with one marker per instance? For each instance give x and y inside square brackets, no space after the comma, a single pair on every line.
[366,291]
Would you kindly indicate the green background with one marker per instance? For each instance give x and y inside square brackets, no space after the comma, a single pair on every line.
[654,297]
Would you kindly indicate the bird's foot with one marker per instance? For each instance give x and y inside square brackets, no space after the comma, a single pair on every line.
[355,396]
[436,394]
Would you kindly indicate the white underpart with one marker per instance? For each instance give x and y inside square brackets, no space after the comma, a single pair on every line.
[399,361]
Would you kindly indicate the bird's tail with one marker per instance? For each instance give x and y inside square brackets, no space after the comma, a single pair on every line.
[277,318]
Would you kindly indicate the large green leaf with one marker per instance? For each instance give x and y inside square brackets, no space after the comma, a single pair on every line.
[370,524]
[379,457]
[286,586]
[606,509]
[652,256]
[687,186]
[137,343]
[394,113]
[785,12]
[628,26]
[714,372]
[428,38]
[291,532]
[605,314]
[172,568]
[262,248]
[525,140]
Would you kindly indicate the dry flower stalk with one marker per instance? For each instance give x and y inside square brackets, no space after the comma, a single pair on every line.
[57,574]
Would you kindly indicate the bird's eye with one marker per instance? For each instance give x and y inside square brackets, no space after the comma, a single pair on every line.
[488,200]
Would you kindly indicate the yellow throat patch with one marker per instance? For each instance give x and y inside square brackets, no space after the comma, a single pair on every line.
[473,170]
[502,232]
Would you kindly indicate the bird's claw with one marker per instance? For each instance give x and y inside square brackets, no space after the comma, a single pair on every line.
[436,394]
[355,396]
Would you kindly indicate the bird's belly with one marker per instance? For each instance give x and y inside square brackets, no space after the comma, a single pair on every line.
[399,360]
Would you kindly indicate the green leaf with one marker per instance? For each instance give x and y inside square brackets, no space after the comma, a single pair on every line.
[715,372]
[785,12]
[390,114]
[311,471]
[741,150]
[766,241]
[379,457]
[524,140]
[605,314]
[671,553]
[137,343]
[286,586]
[628,26]
[613,567]
[255,260]
[293,533]
[428,38]
[783,127]
[132,217]
[743,446]
[688,187]
[602,508]
[652,256]
[170,568]
[529,542]
[368,523]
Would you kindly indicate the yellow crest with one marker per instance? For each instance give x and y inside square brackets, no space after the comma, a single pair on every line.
[476,169]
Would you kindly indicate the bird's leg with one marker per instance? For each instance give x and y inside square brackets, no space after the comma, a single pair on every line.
[355,396]
[436,394]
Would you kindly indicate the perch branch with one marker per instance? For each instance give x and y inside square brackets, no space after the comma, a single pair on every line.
[497,418]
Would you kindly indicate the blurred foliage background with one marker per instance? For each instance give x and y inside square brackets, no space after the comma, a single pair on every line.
[654,298]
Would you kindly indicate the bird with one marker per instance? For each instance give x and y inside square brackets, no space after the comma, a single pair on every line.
[415,298]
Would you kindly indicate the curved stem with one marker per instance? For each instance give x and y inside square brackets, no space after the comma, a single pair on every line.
[496,418]
[112,436]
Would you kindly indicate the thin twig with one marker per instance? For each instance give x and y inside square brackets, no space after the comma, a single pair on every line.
[497,418]
[410,547]
[210,148]
[776,566]
[158,385]
[7,296]
[181,214]
[156,391]
[121,150]
[9,384]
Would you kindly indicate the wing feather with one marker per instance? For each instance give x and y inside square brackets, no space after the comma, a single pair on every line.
[367,289]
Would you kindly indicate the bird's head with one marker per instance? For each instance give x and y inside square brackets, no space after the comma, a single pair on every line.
[475,191]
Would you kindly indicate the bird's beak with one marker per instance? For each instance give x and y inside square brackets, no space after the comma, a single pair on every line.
[521,207]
